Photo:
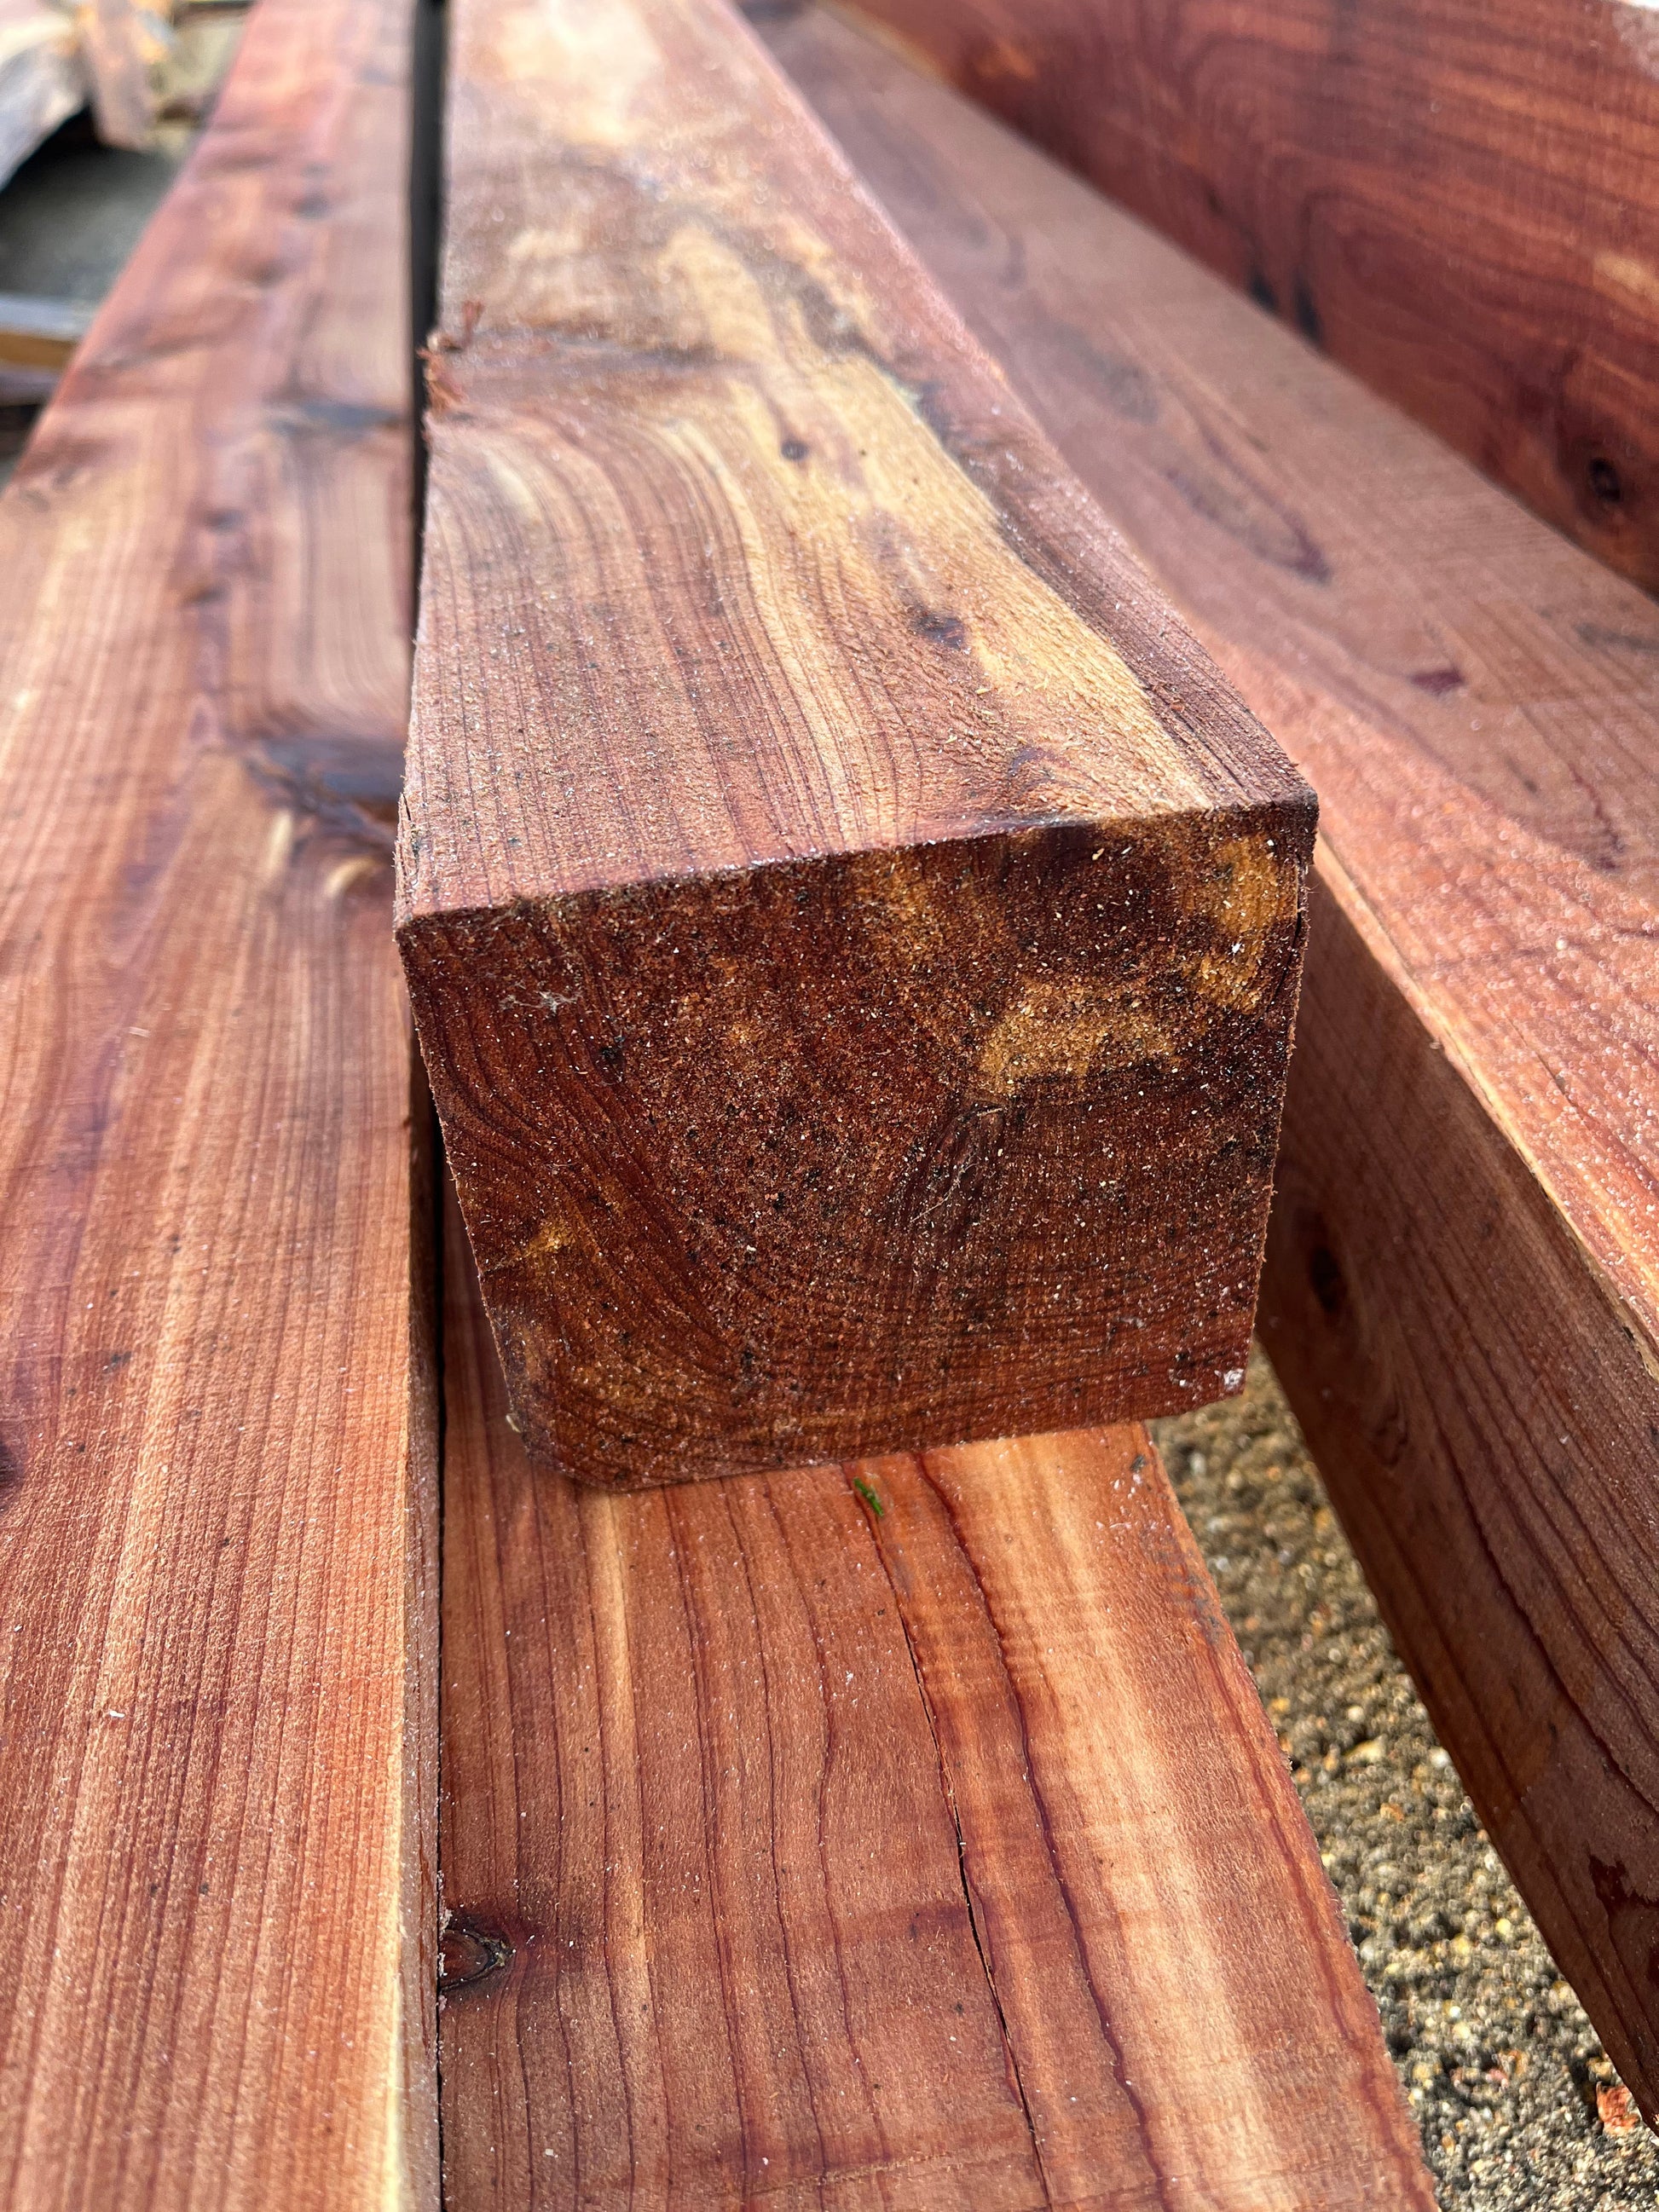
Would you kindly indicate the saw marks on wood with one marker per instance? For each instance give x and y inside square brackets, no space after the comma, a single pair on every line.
[820,840]
[905,1836]
[216,1523]
[1462,1286]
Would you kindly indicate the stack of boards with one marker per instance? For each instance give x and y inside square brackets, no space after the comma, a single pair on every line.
[109,55]
[903,1829]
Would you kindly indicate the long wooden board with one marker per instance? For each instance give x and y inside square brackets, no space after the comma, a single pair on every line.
[921,1848]
[853,935]
[1462,1287]
[216,1858]
[1458,199]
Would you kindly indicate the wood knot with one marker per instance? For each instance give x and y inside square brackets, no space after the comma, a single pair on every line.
[468,1952]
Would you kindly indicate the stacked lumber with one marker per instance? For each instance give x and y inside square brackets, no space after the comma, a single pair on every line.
[1462,1285]
[854,928]
[54,58]
[42,76]
[1457,199]
[38,338]
[216,1429]
[908,1835]
[854,936]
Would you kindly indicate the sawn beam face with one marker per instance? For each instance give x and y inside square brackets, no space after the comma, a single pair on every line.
[853,934]
[1488,1427]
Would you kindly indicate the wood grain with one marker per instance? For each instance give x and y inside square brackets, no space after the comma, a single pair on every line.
[1455,198]
[1462,1287]
[934,1857]
[853,935]
[217,1860]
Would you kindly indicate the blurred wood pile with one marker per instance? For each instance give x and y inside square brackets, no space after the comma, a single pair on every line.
[112,55]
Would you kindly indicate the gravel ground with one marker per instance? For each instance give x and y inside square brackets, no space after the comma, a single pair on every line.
[1520,2109]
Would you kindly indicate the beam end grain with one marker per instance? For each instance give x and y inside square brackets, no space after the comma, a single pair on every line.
[798,1157]
[852,934]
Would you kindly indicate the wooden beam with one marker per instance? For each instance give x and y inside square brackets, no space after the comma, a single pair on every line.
[217,1907]
[853,935]
[1455,198]
[1462,1286]
[38,338]
[921,1845]
[40,334]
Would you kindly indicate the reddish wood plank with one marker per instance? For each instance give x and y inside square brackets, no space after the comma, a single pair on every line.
[216,1858]
[853,936]
[718,1763]
[1462,1291]
[1455,198]
[1153,1914]
[688,1783]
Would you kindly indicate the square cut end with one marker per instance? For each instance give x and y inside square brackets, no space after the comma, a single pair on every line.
[874,1152]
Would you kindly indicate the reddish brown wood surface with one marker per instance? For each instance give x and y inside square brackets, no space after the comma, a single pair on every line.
[934,1857]
[217,1726]
[853,935]
[1459,199]
[1462,1292]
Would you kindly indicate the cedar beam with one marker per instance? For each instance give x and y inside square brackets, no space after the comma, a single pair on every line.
[854,936]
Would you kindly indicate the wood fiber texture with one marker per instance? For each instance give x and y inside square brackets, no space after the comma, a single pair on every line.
[217,1911]
[852,934]
[1457,199]
[1462,1285]
[934,1857]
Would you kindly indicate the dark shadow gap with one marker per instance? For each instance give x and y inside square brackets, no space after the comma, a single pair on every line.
[425,195]
[428,59]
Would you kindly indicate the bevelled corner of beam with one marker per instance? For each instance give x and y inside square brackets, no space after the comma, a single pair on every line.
[853,932]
